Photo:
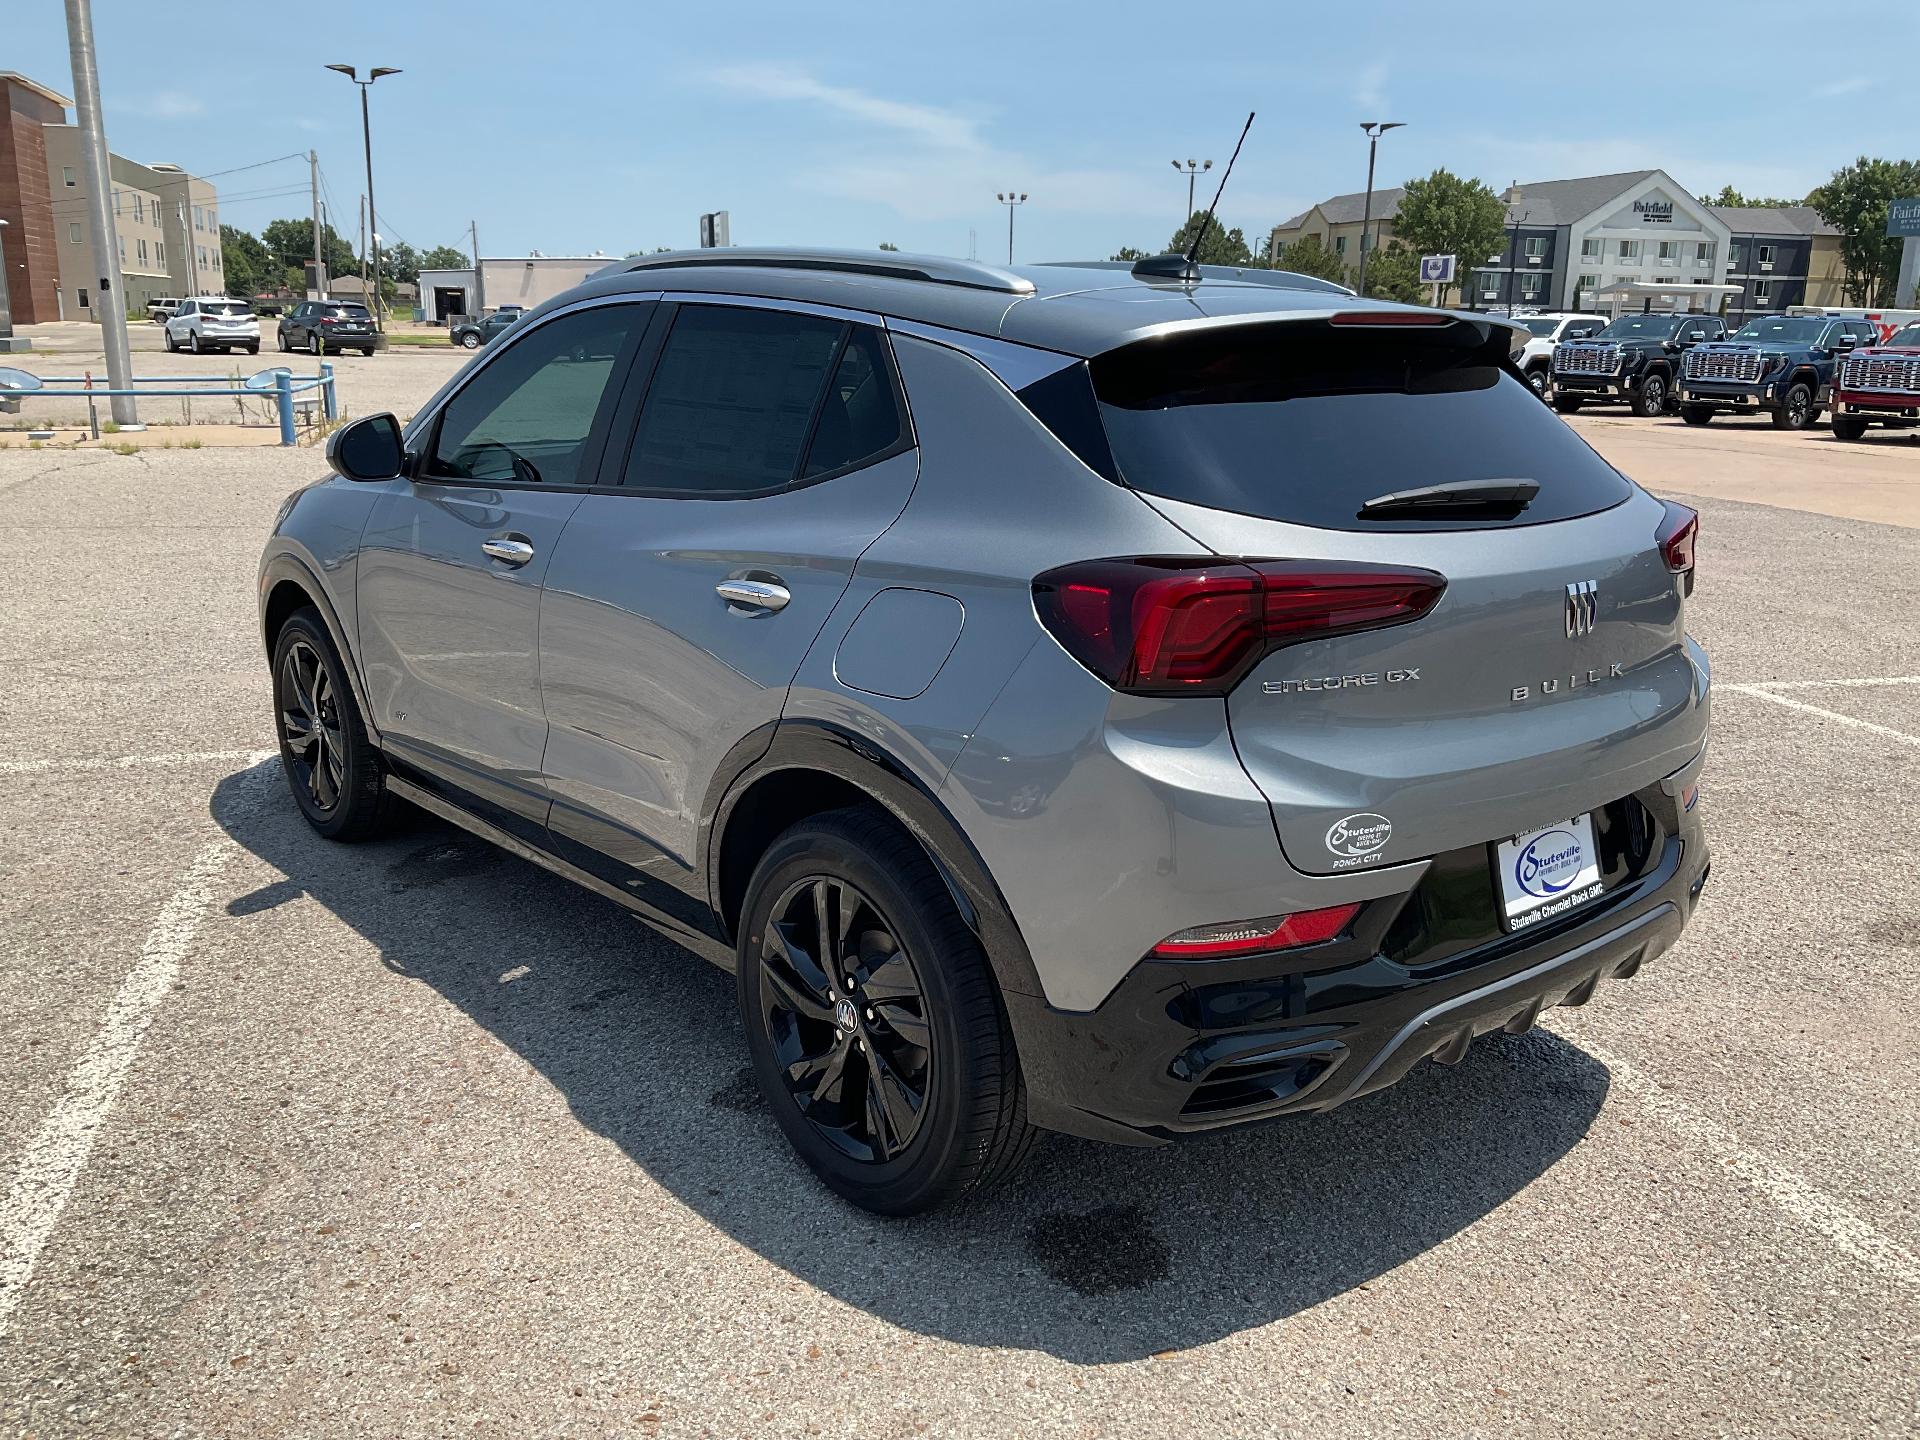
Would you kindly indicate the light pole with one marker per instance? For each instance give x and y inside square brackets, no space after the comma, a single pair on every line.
[109,300]
[366,139]
[1010,199]
[1192,170]
[1375,129]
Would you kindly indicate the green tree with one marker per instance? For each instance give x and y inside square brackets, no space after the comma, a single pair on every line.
[399,263]
[1310,255]
[1444,214]
[445,257]
[245,262]
[1733,199]
[888,245]
[1393,273]
[290,243]
[1127,252]
[1220,247]
[1855,203]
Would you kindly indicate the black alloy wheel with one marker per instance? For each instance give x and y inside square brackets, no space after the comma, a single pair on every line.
[330,761]
[873,1019]
[1652,400]
[1796,410]
[847,1016]
[310,726]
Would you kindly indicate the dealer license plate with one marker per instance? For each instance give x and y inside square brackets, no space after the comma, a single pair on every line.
[1547,872]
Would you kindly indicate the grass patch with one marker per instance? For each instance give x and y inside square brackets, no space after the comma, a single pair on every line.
[112,427]
[125,447]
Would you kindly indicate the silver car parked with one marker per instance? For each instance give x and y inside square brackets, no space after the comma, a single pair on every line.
[1127,703]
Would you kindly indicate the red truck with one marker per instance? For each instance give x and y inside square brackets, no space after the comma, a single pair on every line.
[1879,383]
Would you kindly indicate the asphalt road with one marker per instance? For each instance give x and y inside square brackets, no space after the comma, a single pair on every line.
[415,1139]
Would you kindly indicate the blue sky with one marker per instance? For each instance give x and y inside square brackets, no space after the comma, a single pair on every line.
[611,126]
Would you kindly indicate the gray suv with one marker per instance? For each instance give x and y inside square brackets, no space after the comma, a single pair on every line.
[1122,703]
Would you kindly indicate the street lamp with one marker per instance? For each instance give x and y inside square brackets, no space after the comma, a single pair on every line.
[1010,199]
[1192,170]
[1375,129]
[366,139]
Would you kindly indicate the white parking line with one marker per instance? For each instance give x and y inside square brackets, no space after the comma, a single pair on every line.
[58,1153]
[1833,715]
[1791,1191]
[1866,684]
[132,762]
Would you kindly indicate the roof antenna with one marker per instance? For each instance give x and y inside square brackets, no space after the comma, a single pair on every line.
[1174,265]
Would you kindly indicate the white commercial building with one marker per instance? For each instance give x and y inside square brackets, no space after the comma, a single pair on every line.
[524,280]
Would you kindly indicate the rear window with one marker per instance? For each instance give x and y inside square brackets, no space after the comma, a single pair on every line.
[1308,425]
[226,307]
[351,312]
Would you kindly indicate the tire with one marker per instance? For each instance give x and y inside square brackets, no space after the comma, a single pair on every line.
[193,343]
[368,352]
[254,349]
[314,347]
[1797,410]
[1697,414]
[1849,427]
[469,342]
[285,348]
[341,790]
[914,991]
[1566,404]
[1650,400]
[1537,379]
[166,342]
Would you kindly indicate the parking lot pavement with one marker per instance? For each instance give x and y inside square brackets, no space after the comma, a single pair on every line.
[414,1138]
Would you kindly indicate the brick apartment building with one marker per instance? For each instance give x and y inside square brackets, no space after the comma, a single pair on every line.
[166,221]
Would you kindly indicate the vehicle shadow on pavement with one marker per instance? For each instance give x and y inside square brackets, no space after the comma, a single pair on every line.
[1094,1254]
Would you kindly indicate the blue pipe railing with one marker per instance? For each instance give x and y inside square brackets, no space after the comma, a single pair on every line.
[278,382]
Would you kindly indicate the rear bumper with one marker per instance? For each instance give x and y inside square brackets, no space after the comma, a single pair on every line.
[1182,1048]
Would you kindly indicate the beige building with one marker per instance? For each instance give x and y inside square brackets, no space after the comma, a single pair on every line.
[1336,223]
[167,223]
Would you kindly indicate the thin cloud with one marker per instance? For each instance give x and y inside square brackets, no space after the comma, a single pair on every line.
[770,80]
[1370,89]
[165,105]
[1851,85]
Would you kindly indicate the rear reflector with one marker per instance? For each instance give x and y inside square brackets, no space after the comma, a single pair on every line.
[1252,937]
[1186,625]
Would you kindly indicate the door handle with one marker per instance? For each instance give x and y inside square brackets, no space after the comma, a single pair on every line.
[754,594]
[508,552]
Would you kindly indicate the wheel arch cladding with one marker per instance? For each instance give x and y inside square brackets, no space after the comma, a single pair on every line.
[811,768]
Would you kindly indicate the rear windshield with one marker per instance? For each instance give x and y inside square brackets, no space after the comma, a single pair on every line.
[1536,326]
[352,312]
[1308,427]
[226,307]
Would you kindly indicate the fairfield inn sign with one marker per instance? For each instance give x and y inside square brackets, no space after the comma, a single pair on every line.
[1654,212]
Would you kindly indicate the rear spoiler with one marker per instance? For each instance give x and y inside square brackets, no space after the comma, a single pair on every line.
[1495,336]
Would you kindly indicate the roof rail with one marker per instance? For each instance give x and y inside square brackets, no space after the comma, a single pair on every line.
[889,264]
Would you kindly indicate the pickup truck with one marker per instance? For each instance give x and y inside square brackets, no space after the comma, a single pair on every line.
[1632,362]
[1780,364]
[1545,331]
[1879,383]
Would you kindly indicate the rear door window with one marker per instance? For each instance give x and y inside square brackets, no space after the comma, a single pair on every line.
[1306,423]
[733,401]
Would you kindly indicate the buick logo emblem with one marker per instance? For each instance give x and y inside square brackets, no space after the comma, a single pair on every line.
[846,1017]
[1583,599]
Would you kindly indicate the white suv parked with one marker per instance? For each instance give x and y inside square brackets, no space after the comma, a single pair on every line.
[213,322]
[1536,359]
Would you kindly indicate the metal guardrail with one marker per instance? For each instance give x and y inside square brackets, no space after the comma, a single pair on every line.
[278,382]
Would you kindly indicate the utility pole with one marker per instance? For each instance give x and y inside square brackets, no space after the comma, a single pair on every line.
[109,300]
[1193,169]
[1010,199]
[1375,129]
[363,253]
[319,227]
[479,280]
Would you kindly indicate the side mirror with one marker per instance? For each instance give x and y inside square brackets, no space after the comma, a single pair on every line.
[367,449]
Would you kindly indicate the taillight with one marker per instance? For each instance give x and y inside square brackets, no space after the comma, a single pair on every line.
[1252,937]
[1389,317]
[1678,534]
[329,319]
[1185,625]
